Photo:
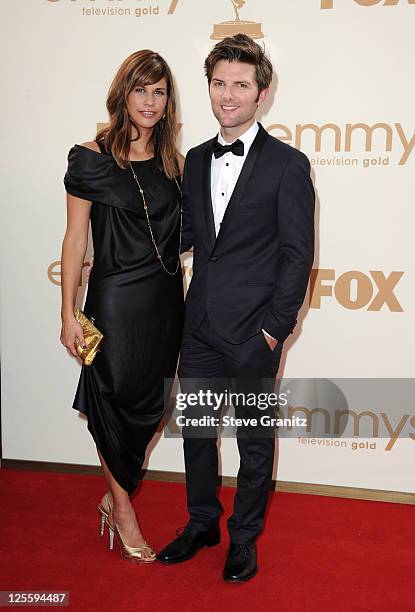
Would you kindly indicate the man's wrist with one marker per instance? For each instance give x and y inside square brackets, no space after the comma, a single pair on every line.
[269,335]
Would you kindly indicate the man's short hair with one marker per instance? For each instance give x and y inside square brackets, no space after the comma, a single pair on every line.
[241,48]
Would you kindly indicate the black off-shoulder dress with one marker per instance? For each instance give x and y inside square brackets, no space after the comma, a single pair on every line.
[135,303]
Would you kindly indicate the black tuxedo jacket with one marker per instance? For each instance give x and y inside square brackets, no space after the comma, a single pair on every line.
[254,274]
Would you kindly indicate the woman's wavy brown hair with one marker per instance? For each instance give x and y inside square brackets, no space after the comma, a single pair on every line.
[140,69]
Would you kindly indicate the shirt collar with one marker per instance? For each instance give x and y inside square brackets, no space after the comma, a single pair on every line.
[247,137]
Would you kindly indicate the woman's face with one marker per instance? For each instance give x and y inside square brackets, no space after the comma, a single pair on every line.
[146,104]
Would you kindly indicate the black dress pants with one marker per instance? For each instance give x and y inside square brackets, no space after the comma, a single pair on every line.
[209,362]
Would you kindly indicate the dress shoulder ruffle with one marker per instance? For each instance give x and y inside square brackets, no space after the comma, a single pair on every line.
[96,177]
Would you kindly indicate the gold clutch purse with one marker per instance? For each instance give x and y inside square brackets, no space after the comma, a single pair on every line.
[92,335]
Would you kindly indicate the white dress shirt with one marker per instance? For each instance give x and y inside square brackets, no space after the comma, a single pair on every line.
[225,171]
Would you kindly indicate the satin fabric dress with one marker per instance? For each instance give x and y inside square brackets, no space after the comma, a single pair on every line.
[135,303]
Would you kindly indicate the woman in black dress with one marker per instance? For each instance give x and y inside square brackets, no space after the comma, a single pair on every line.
[127,184]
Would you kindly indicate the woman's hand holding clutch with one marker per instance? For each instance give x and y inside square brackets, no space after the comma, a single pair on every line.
[71,332]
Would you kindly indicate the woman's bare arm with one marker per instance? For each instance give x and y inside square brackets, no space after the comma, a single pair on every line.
[74,248]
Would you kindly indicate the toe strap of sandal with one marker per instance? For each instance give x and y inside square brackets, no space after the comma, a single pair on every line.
[145,548]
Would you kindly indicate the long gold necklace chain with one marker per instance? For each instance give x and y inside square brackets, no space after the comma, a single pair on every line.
[149,224]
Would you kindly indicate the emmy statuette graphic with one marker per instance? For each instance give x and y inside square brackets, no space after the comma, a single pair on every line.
[238,26]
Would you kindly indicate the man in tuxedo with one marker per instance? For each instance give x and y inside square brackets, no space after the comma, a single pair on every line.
[249,215]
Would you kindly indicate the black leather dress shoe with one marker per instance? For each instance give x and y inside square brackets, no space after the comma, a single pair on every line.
[240,563]
[188,544]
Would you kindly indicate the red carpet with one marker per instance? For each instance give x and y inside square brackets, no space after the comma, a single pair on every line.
[317,553]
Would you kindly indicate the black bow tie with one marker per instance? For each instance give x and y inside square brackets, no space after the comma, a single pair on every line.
[237,148]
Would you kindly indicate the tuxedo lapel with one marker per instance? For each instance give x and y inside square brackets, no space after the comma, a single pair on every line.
[243,179]
[207,195]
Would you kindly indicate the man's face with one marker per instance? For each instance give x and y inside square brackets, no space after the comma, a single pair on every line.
[234,94]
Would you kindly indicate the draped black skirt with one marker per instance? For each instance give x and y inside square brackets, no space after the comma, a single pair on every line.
[122,393]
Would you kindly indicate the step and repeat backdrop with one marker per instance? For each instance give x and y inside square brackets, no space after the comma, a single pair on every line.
[343,93]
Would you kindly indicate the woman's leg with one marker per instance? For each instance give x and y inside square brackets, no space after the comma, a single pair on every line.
[123,511]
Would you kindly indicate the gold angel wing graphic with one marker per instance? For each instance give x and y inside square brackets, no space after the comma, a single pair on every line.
[237,4]
[237,26]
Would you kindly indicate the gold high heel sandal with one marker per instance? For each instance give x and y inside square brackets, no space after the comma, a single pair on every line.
[105,515]
[130,553]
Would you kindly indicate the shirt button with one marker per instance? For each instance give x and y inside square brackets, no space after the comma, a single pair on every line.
[227,164]
[223,193]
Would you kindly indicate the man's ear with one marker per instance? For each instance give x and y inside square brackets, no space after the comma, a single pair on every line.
[263,95]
